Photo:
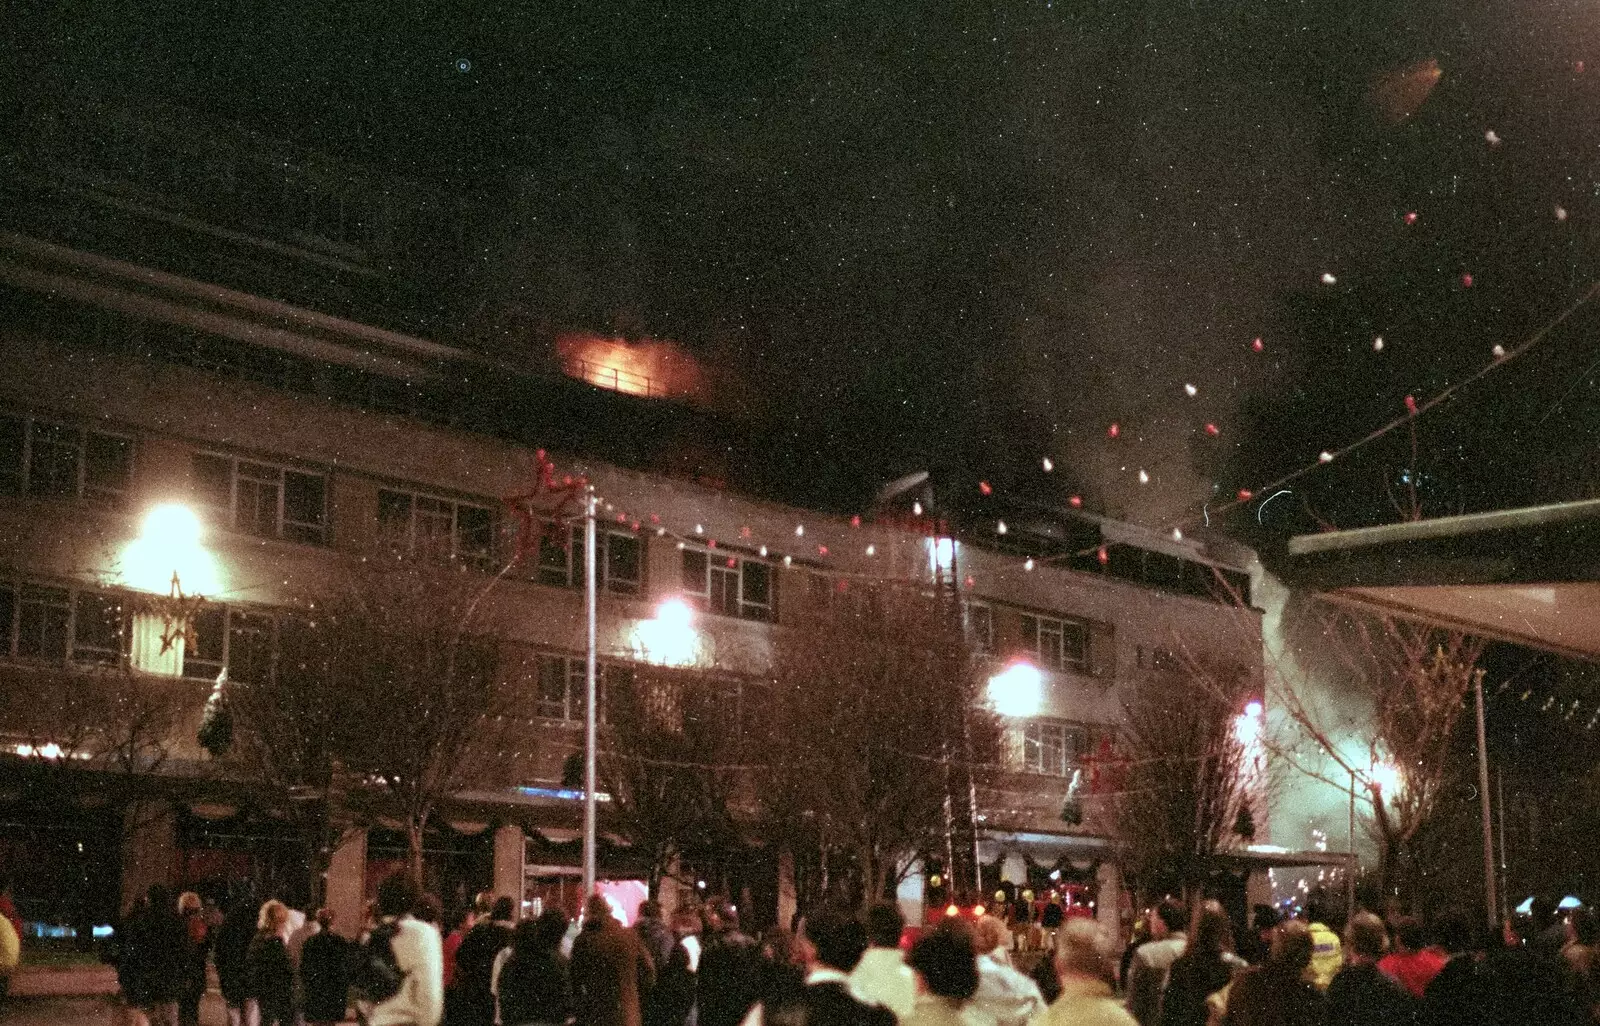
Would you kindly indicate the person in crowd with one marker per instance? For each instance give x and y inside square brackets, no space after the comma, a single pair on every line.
[1044,976]
[1277,992]
[430,910]
[197,933]
[1413,961]
[729,970]
[1580,954]
[654,934]
[11,933]
[610,971]
[326,962]
[1147,971]
[1257,940]
[152,966]
[671,1002]
[1325,922]
[1206,967]
[531,984]
[1140,936]
[418,953]
[480,908]
[1548,930]
[1457,995]
[1363,993]
[835,943]
[472,1001]
[1087,998]
[784,961]
[882,977]
[230,951]
[1005,996]
[271,987]
[1050,920]
[944,963]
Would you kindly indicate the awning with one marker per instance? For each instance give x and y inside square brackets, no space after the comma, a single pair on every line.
[1528,576]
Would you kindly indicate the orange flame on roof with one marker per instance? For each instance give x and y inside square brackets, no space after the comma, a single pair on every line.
[656,368]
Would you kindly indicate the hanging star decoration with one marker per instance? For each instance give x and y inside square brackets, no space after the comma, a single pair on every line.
[545,504]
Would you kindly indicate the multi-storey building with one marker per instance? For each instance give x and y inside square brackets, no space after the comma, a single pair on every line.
[299,436]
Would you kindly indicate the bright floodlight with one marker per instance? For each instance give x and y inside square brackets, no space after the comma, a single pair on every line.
[670,639]
[1253,709]
[1017,691]
[1386,776]
[168,544]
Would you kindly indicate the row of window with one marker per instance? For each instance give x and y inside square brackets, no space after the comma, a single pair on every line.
[44,459]
[1057,643]
[53,624]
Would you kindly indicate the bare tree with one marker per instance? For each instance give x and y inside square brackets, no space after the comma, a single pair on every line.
[873,697]
[1416,679]
[671,762]
[385,693]
[1186,776]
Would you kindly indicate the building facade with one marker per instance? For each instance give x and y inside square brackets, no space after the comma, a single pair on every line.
[301,438]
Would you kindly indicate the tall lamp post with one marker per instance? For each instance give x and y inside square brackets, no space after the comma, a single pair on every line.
[590,720]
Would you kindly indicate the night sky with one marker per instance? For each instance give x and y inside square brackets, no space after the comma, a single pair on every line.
[975,236]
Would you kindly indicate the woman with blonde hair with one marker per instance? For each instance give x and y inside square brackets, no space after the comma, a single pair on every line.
[269,971]
[1087,998]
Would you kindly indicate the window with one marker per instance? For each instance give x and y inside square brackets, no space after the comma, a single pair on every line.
[563,685]
[245,642]
[730,585]
[442,527]
[1059,644]
[54,624]
[50,460]
[262,499]
[619,566]
[1053,748]
[980,628]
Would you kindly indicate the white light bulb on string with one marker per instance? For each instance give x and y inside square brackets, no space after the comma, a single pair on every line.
[872,550]
[787,560]
[1499,352]
[681,546]
[1561,213]
[1000,528]
[1144,477]
[1027,564]
[1377,344]
[1491,137]
[699,529]
[763,552]
[661,532]
[799,530]
[1328,279]
[916,509]
[1191,391]
[1047,464]
[1177,534]
[1326,457]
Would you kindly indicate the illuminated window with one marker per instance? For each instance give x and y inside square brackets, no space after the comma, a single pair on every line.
[49,460]
[620,567]
[438,527]
[1059,644]
[1053,748]
[730,585]
[262,499]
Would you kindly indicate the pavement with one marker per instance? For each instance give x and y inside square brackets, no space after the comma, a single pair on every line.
[79,995]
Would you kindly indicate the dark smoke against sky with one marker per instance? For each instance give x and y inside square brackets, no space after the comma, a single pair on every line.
[968,235]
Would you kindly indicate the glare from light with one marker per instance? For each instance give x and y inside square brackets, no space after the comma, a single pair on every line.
[1253,709]
[1385,776]
[670,639]
[978,910]
[169,544]
[1017,691]
[951,910]
[1570,902]
[941,553]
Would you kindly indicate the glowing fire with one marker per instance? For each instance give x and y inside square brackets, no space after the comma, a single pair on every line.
[649,367]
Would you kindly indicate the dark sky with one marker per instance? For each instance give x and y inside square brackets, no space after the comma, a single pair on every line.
[976,235]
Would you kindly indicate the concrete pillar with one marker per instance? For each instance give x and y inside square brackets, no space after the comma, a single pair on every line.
[346,890]
[149,849]
[510,853]
[1108,902]
[788,898]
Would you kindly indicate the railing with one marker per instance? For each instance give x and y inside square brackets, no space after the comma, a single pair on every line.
[616,379]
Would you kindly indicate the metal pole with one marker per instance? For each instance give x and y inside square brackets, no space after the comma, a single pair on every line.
[1350,868]
[590,720]
[1500,812]
[1491,904]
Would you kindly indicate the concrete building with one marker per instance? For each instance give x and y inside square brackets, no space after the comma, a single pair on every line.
[301,431]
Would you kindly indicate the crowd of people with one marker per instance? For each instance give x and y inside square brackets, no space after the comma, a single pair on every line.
[1185,968]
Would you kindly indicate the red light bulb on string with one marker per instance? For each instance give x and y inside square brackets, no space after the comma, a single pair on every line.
[985,488]
[1411,405]
[1258,345]
[1411,217]
[1076,502]
[1245,495]
[1466,281]
[1114,430]
[1213,430]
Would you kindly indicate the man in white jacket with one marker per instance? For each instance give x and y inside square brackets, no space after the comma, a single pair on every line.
[418,953]
[882,976]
